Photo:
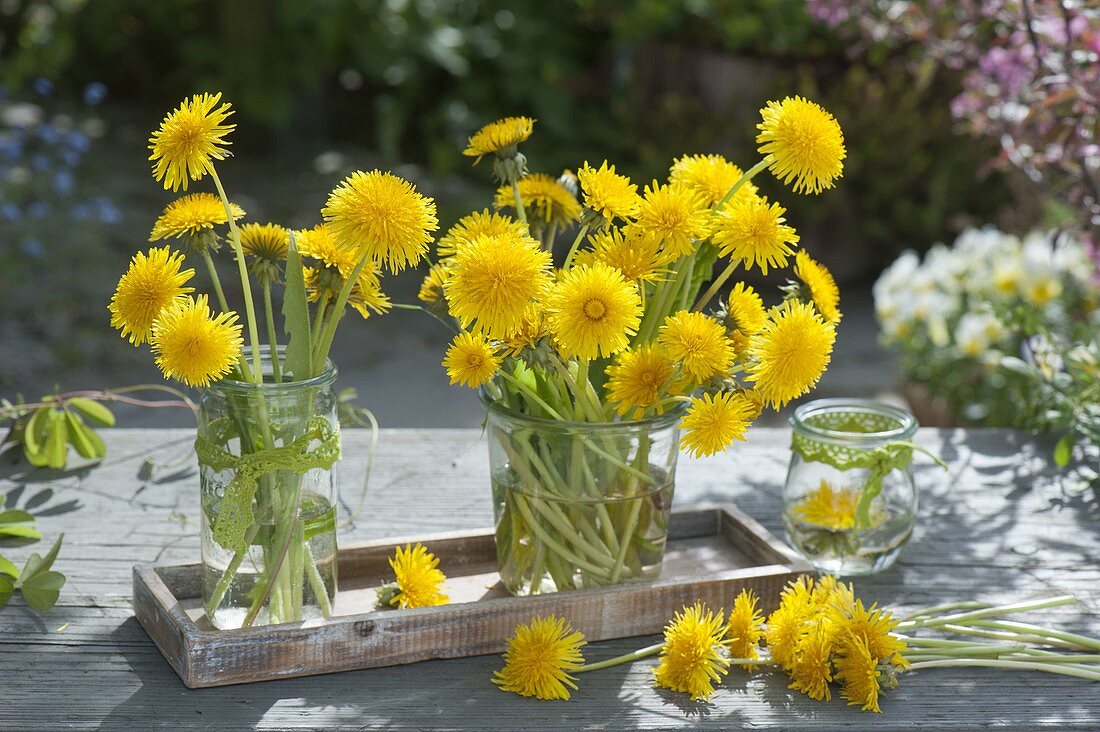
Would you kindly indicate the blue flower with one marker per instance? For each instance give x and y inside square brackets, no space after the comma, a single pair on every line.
[49,134]
[70,157]
[63,182]
[10,211]
[38,209]
[80,212]
[32,245]
[108,211]
[42,86]
[94,93]
[40,161]
[78,141]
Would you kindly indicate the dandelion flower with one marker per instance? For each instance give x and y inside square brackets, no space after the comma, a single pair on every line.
[194,346]
[191,215]
[492,280]
[753,231]
[791,353]
[152,283]
[811,670]
[698,343]
[745,627]
[476,224]
[637,378]
[336,265]
[858,673]
[711,176]
[539,657]
[874,626]
[419,581]
[500,137]
[431,288]
[607,193]
[528,332]
[471,360]
[269,242]
[189,138]
[634,253]
[822,287]
[592,311]
[320,244]
[745,310]
[675,214]
[784,629]
[545,200]
[829,508]
[712,423]
[691,660]
[803,142]
[381,216]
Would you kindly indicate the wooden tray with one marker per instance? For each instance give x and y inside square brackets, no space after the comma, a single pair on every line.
[713,552]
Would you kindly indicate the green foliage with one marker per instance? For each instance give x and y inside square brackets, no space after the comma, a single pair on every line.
[39,584]
[47,429]
[299,354]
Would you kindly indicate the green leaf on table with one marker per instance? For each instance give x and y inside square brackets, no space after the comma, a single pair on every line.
[20,531]
[42,590]
[93,410]
[37,564]
[79,435]
[57,440]
[7,588]
[1064,449]
[299,353]
[15,516]
[7,568]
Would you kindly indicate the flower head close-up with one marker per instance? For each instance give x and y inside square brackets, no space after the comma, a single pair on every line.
[191,216]
[592,311]
[607,193]
[193,345]
[803,142]
[693,658]
[471,360]
[418,578]
[538,658]
[189,139]
[791,352]
[153,282]
[500,137]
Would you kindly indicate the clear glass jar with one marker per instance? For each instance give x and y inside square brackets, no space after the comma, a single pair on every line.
[850,502]
[267,471]
[580,505]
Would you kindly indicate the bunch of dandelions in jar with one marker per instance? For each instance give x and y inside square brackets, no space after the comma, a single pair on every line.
[268,437]
[821,636]
[590,358]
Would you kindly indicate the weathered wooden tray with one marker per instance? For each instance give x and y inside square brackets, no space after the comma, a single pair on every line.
[713,553]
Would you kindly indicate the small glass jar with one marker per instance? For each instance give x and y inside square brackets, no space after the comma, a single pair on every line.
[267,472]
[577,504]
[850,502]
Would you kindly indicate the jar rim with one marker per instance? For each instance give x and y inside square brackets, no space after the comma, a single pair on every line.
[906,423]
[325,378]
[670,418]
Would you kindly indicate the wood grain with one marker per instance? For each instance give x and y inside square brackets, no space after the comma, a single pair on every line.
[1001,525]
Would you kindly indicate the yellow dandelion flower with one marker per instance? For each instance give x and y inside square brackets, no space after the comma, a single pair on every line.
[803,142]
[822,287]
[745,310]
[784,629]
[470,360]
[873,626]
[476,224]
[675,214]
[539,657]
[637,378]
[791,353]
[190,215]
[745,628]
[753,231]
[431,288]
[194,346]
[545,200]
[592,311]
[607,193]
[189,139]
[493,278]
[320,244]
[418,578]
[634,253]
[269,242]
[829,508]
[711,176]
[381,216]
[366,296]
[811,670]
[858,673]
[691,660]
[712,423]
[500,137]
[152,283]
[528,332]
[698,343]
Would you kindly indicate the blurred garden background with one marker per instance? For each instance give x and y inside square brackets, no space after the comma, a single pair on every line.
[323,87]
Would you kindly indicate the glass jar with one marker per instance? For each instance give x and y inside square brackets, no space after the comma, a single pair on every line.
[850,502]
[267,470]
[580,505]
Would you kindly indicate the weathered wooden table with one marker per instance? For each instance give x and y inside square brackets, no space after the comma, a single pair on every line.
[1000,526]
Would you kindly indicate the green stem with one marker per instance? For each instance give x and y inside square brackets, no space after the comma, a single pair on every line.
[747,176]
[1014,636]
[325,343]
[935,609]
[520,213]
[988,612]
[272,338]
[1036,630]
[317,584]
[230,571]
[715,286]
[641,653]
[1006,664]
[573,247]
[222,302]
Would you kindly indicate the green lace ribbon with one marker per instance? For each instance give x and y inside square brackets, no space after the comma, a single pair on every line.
[236,515]
[878,461]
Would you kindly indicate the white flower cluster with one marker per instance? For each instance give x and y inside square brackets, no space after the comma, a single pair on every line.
[958,297]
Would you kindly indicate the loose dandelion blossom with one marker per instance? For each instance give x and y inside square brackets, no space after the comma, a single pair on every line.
[545,200]
[698,343]
[811,670]
[538,659]
[194,346]
[711,176]
[500,137]
[858,673]
[152,283]
[753,231]
[691,660]
[418,578]
[637,378]
[822,288]
[471,360]
[383,217]
[189,139]
[493,279]
[712,423]
[745,627]
[471,226]
[803,142]
[592,311]
[791,353]
[191,215]
[674,214]
[607,193]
